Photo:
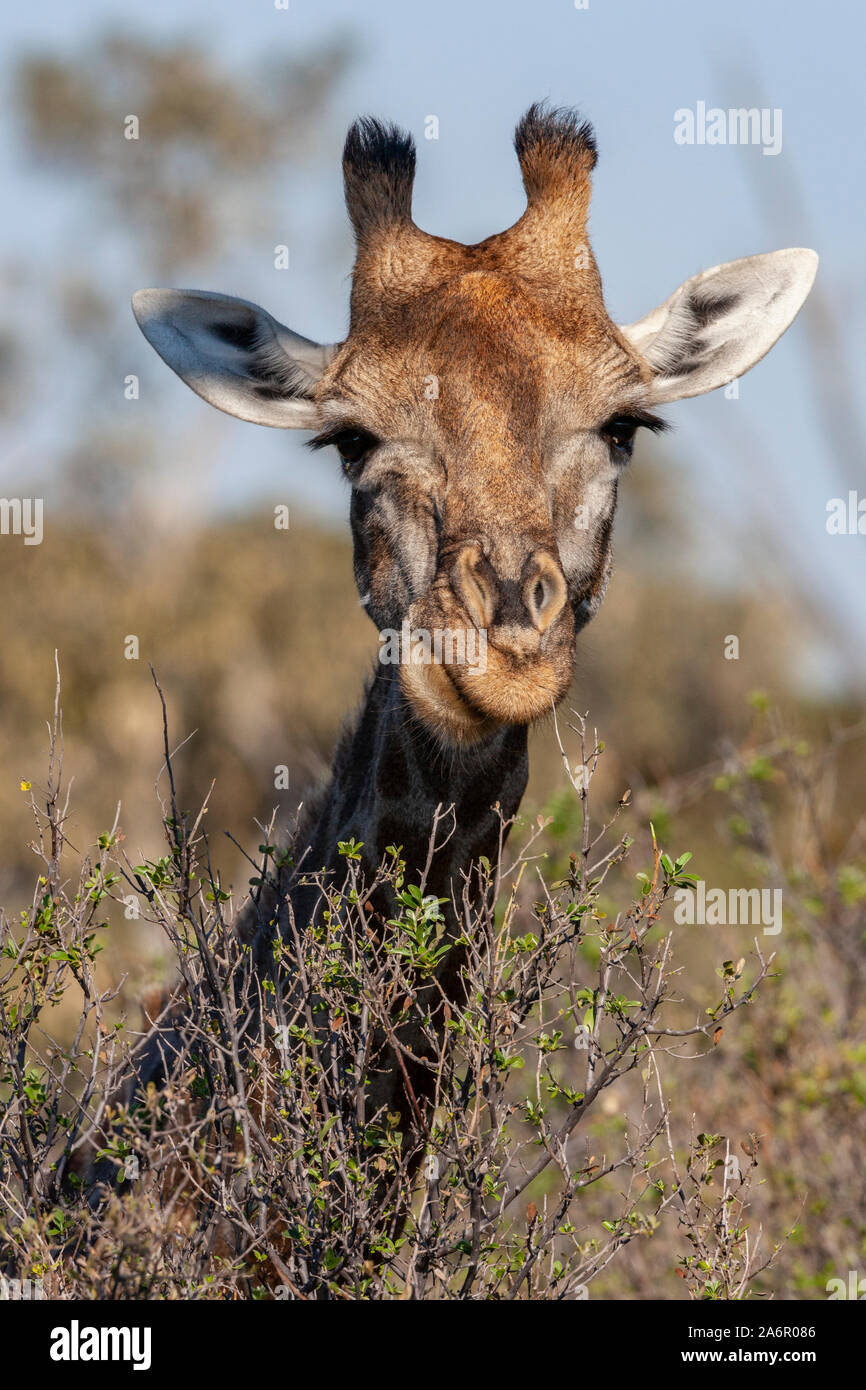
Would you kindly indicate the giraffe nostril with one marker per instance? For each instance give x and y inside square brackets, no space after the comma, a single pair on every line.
[544,591]
[475,584]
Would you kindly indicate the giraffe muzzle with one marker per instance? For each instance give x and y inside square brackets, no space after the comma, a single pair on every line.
[514,612]
[528,633]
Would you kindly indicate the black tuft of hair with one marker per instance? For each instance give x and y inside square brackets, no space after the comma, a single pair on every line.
[378,173]
[552,142]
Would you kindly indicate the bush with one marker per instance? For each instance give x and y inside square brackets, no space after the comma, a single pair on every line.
[273,1160]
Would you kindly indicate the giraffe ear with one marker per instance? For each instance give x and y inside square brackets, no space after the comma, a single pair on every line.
[234,355]
[720,323]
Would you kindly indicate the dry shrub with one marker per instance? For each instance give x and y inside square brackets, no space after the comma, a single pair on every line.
[261,1165]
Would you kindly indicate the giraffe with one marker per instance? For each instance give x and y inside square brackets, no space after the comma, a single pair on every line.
[484,407]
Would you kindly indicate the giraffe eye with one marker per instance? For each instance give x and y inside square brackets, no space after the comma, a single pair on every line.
[353,446]
[619,433]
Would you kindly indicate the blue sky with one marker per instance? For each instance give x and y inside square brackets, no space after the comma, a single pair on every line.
[661,210]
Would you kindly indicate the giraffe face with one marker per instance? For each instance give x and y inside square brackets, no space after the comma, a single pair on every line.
[484,486]
[483,405]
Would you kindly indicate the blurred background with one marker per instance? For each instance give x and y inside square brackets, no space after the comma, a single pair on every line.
[159,511]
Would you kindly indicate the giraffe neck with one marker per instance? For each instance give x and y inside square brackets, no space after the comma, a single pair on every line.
[389,778]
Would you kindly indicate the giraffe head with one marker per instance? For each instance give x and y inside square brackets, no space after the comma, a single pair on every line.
[484,406]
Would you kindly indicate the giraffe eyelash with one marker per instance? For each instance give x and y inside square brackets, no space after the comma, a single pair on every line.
[638,418]
[335,434]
